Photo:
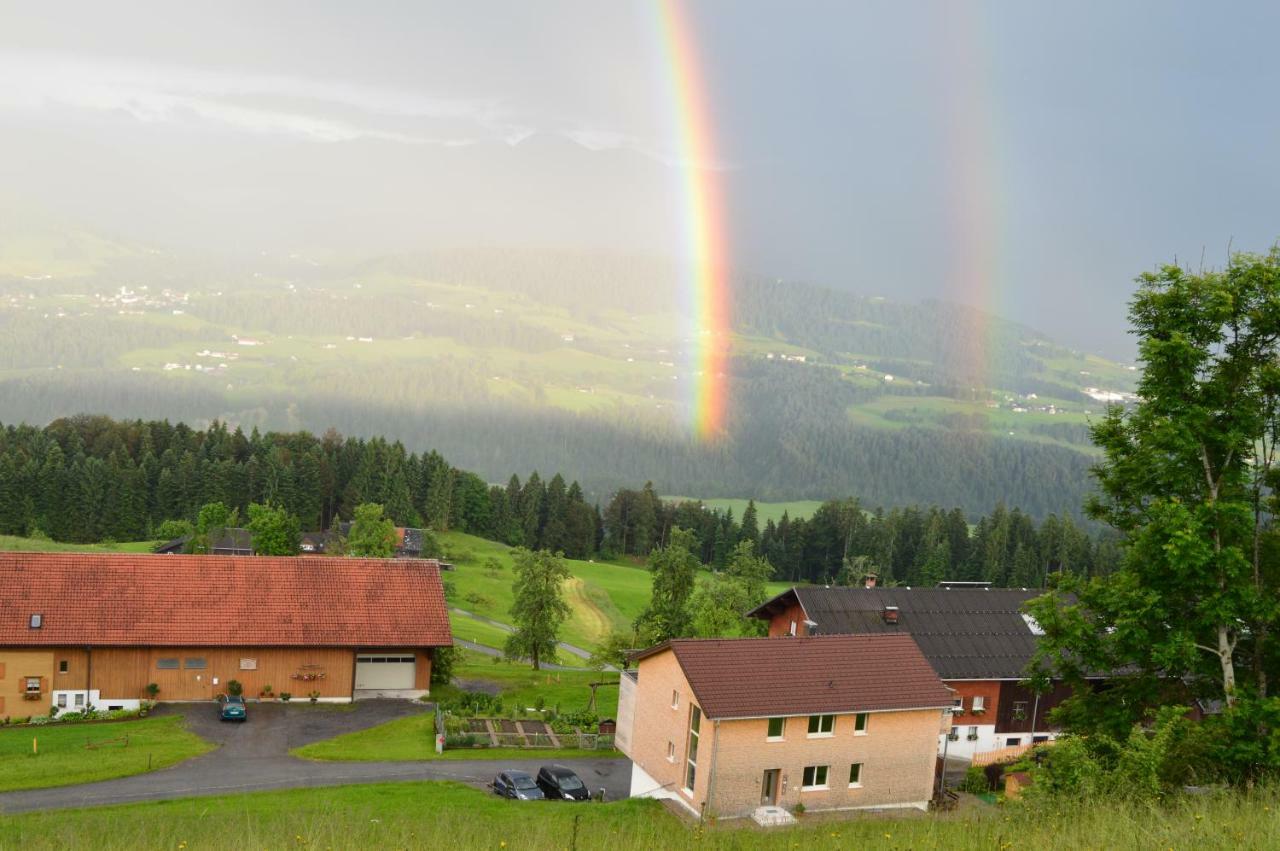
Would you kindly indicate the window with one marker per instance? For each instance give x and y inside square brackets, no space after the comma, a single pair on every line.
[776,728]
[675,699]
[855,775]
[37,621]
[793,628]
[62,701]
[1019,710]
[33,685]
[953,735]
[1012,742]
[167,664]
[1035,740]
[979,703]
[80,699]
[860,724]
[194,662]
[958,706]
[671,751]
[114,707]
[63,666]
[691,760]
[821,725]
[973,734]
[815,777]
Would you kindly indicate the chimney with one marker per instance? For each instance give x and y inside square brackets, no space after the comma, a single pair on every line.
[891,614]
[869,580]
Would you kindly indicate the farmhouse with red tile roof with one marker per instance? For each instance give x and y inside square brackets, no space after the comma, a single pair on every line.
[79,628]
[726,726]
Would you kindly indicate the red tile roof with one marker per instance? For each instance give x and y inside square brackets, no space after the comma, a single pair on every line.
[757,677]
[152,600]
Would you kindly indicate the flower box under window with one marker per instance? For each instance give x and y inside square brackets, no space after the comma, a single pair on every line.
[973,737]
[31,695]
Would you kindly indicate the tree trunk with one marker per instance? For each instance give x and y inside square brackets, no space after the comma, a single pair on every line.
[1225,649]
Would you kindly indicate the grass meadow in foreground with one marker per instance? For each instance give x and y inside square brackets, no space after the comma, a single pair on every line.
[85,753]
[450,815]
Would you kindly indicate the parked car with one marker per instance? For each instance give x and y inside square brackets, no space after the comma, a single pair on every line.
[231,708]
[518,785]
[560,783]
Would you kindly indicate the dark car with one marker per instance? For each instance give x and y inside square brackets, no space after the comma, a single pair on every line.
[518,785]
[561,784]
[232,708]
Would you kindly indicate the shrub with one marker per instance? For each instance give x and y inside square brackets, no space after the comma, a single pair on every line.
[152,690]
[40,720]
[266,691]
[286,696]
[799,809]
[975,781]
[235,688]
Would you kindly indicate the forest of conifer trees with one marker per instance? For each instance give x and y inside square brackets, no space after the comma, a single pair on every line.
[89,478]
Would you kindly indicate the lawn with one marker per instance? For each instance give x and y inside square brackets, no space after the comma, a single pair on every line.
[478,631]
[64,757]
[451,815]
[44,545]
[413,738]
[519,685]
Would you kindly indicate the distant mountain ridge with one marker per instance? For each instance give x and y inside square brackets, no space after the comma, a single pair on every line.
[520,359]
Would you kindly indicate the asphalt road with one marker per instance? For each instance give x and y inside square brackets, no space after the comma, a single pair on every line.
[253,756]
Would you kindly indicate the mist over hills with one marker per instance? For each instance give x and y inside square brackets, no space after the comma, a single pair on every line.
[516,359]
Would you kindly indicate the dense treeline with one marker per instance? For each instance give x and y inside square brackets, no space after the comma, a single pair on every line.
[90,478]
[843,542]
[790,438]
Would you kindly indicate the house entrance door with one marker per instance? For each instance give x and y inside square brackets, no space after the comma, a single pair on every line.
[769,787]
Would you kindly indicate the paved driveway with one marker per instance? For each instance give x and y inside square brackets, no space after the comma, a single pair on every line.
[254,756]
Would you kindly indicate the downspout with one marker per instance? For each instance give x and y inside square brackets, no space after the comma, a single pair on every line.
[1035,709]
[711,778]
[88,677]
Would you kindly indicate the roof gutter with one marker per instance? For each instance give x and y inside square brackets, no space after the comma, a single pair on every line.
[826,712]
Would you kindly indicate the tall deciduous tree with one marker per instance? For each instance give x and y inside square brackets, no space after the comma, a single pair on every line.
[674,568]
[1185,477]
[539,608]
[371,535]
[275,531]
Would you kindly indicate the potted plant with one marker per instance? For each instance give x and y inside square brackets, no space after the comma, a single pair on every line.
[285,697]
[265,694]
[315,696]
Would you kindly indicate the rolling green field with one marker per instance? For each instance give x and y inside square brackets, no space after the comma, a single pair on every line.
[765,511]
[85,753]
[602,596]
[451,815]
[44,545]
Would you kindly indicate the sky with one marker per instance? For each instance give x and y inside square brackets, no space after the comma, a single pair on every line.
[1029,158]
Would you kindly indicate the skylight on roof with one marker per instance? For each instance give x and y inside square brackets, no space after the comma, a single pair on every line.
[1033,625]
[37,621]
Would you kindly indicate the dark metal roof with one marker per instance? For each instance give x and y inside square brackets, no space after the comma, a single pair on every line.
[965,633]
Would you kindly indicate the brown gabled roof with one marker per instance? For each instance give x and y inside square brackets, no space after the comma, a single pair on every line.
[757,677]
[156,600]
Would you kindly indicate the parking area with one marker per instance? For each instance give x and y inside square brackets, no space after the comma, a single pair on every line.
[254,756]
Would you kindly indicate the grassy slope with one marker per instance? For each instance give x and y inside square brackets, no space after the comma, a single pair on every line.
[603,596]
[450,815]
[765,511]
[42,545]
[64,759]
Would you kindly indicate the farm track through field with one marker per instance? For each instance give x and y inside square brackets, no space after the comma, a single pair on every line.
[592,617]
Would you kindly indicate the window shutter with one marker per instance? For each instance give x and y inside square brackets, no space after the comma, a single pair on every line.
[1,670]
[1,704]
[44,685]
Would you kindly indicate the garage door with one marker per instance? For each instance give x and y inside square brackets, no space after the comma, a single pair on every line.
[384,672]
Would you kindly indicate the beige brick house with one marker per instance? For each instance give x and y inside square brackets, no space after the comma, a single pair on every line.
[724,726]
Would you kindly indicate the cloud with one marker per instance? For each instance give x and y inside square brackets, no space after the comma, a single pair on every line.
[602,139]
[315,110]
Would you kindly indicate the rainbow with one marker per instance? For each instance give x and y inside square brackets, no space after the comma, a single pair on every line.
[703,227]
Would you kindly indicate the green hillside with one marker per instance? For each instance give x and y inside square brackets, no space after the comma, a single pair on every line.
[514,361]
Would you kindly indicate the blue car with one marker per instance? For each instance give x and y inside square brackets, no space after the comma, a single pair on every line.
[232,708]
